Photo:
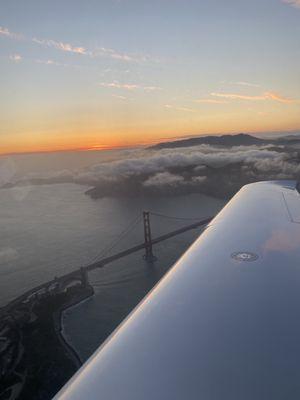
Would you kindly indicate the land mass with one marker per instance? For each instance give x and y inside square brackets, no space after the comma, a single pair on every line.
[35,359]
[218,169]
[240,139]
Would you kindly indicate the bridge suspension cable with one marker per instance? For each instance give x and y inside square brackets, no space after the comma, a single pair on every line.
[116,241]
[105,251]
[173,217]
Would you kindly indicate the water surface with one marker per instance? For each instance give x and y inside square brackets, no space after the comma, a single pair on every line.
[48,230]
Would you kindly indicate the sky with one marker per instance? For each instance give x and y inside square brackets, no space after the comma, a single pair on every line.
[100,74]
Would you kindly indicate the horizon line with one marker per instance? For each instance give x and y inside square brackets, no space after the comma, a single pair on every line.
[70,150]
[137,145]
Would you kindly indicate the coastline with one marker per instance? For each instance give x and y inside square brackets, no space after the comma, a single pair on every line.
[59,325]
[47,360]
[63,334]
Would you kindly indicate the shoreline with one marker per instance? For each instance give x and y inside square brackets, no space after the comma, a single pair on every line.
[59,327]
[45,368]
[63,332]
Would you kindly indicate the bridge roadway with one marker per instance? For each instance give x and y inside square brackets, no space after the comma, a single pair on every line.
[59,283]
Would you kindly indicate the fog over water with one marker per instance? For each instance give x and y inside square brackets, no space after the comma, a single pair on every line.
[50,229]
[212,169]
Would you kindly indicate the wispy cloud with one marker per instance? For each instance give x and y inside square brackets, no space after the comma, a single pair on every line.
[243,83]
[185,109]
[278,97]
[234,96]
[128,86]
[119,97]
[55,63]
[116,55]
[47,62]
[70,48]
[45,42]
[61,46]
[152,88]
[211,101]
[117,85]
[294,3]
[265,96]
[6,32]
[15,57]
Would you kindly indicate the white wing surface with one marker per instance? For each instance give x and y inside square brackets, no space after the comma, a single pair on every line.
[223,324]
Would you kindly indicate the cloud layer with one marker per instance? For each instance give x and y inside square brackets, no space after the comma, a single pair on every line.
[207,169]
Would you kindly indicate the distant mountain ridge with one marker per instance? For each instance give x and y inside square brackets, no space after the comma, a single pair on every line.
[240,139]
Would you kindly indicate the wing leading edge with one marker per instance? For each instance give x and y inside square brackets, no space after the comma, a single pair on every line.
[224,321]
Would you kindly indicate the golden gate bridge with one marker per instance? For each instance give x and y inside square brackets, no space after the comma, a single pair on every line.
[80,275]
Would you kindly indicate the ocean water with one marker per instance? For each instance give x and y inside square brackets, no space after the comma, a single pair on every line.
[48,230]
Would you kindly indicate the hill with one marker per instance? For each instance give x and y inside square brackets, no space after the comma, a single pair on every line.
[241,139]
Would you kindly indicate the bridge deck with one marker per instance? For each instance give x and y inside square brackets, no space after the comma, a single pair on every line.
[99,264]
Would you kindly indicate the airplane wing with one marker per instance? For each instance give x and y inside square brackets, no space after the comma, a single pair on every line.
[224,322]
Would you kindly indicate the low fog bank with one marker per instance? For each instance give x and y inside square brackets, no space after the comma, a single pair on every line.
[213,170]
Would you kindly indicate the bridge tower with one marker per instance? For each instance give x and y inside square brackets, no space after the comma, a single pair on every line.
[84,277]
[148,256]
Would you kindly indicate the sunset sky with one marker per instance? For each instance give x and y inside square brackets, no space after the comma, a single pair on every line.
[106,73]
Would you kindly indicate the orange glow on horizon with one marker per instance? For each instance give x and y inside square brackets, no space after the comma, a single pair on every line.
[49,136]
[31,149]
[93,145]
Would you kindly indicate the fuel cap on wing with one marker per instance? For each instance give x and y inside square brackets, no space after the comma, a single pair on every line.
[244,256]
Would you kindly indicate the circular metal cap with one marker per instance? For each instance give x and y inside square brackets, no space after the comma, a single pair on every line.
[244,256]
